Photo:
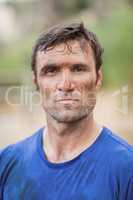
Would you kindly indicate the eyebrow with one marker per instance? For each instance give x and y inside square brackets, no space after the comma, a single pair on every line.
[51,65]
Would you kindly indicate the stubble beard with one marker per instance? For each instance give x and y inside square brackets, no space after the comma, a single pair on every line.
[70,115]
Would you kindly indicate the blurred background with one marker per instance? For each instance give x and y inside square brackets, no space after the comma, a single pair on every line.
[20,23]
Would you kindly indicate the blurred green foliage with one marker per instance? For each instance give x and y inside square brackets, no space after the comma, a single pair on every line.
[15,59]
[68,8]
[114,31]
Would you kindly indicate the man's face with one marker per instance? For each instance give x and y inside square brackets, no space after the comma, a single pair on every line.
[67,81]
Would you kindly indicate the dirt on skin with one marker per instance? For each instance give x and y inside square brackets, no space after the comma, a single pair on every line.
[18,122]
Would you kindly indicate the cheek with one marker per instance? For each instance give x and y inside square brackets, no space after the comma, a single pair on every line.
[88,91]
[44,84]
[86,84]
[45,90]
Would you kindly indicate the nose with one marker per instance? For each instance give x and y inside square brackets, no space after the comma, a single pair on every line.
[66,83]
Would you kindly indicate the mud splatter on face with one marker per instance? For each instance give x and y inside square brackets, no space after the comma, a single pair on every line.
[67,82]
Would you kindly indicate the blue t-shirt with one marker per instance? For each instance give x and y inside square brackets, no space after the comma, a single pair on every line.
[104,171]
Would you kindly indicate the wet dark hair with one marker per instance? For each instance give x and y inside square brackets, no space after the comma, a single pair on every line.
[64,33]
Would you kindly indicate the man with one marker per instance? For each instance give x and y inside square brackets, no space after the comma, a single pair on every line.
[73,157]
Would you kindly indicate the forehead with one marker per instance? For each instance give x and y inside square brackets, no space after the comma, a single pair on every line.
[72,52]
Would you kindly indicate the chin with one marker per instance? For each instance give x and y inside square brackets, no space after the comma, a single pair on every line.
[68,117]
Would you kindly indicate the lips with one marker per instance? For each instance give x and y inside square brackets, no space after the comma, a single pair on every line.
[66,99]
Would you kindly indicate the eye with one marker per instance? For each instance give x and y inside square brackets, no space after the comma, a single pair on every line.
[78,68]
[49,71]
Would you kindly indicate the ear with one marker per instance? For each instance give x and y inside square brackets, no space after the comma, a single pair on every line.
[34,80]
[99,79]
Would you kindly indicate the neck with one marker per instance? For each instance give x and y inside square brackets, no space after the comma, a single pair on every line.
[64,141]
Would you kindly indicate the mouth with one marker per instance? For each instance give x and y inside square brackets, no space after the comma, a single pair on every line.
[66,100]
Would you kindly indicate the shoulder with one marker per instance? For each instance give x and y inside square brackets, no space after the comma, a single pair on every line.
[119,151]
[21,146]
[14,156]
[11,155]
[117,145]
[120,162]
